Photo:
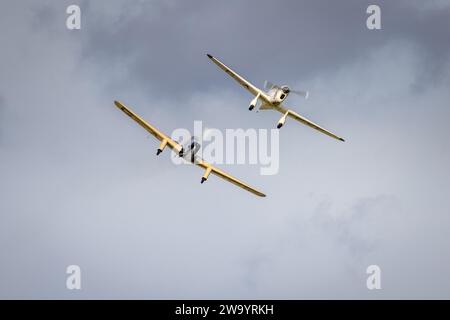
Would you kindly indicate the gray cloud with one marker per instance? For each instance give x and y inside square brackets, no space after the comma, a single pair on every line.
[314,36]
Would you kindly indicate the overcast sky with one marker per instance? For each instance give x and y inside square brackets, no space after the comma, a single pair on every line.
[80,182]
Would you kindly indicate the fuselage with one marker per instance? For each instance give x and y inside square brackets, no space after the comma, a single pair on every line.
[190,150]
[278,95]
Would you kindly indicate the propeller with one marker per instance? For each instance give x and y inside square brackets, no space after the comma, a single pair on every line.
[302,93]
[269,85]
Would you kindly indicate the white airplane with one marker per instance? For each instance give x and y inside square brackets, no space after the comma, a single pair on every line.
[273,99]
[188,151]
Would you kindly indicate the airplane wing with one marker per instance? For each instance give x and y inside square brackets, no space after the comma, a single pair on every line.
[294,115]
[216,171]
[247,85]
[166,140]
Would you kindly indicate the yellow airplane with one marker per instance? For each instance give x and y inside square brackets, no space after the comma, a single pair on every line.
[187,152]
[272,99]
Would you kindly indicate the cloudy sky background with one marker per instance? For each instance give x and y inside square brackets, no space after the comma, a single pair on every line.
[80,183]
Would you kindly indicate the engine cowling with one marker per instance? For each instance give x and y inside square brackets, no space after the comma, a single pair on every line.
[190,149]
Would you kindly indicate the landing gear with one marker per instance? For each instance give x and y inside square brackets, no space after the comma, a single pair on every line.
[203,180]
[161,147]
[282,120]
[253,103]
